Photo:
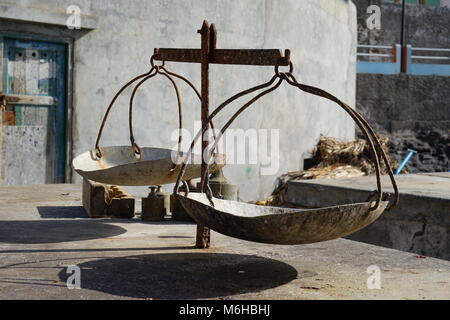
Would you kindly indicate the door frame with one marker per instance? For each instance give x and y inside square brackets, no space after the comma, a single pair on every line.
[69,42]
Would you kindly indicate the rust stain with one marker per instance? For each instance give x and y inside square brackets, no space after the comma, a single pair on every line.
[8,118]
[101,164]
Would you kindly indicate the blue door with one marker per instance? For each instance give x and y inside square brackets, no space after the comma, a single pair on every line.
[34,132]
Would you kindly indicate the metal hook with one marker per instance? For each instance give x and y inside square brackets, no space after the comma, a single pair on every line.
[98,152]
[136,148]
[185,184]
[291,68]
[152,63]
[209,194]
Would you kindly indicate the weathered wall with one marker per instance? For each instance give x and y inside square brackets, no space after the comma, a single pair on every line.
[425,26]
[414,112]
[320,34]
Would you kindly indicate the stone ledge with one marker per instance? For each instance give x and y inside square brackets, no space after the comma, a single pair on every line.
[420,223]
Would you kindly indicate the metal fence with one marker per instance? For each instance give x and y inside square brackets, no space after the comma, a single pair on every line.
[379,59]
[388,60]
[427,61]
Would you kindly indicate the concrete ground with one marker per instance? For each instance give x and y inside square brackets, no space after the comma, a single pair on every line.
[44,229]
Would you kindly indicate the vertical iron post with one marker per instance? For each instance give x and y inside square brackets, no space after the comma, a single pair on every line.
[403,38]
[203,233]
[402,35]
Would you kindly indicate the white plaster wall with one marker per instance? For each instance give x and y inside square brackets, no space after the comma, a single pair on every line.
[320,33]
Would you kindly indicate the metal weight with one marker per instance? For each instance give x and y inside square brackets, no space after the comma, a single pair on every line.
[221,188]
[153,206]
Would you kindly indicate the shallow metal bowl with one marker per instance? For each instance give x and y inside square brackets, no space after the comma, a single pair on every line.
[120,166]
[279,225]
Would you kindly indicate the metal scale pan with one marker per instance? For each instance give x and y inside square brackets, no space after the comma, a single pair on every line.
[279,225]
[120,166]
[136,166]
[287,225]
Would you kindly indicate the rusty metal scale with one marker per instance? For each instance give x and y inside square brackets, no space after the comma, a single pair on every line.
[241,220]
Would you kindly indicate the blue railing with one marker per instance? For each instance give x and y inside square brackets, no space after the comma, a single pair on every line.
[387,59]
[417,61]
[413,66]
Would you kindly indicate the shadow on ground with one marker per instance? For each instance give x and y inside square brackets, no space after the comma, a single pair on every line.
[183,275]
[54,231]
[62,212]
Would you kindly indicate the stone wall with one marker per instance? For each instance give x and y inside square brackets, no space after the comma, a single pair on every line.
[413,112]
[321,36]
[425,26]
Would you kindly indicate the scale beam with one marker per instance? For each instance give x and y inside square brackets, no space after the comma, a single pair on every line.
[257,57]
